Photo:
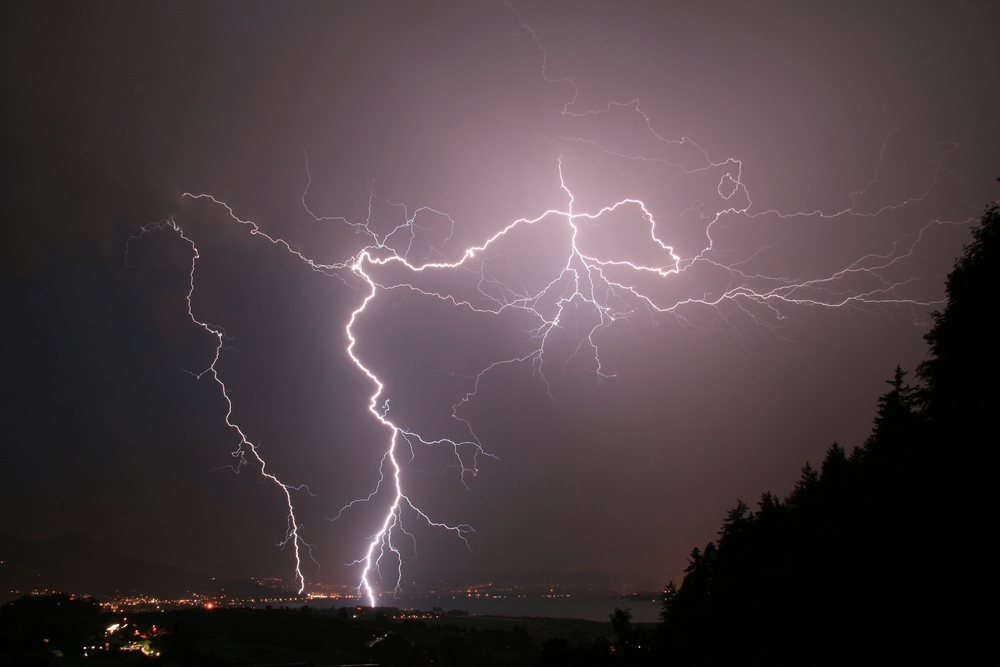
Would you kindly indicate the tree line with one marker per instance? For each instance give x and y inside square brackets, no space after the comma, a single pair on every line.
[886,555]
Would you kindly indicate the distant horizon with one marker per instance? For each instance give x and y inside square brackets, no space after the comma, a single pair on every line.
[320,591]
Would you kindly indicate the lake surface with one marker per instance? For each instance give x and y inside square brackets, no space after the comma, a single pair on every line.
[586,607]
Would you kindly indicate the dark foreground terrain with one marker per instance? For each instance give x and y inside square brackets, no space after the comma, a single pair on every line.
[58,630]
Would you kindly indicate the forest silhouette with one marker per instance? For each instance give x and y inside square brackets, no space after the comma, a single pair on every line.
[886,555]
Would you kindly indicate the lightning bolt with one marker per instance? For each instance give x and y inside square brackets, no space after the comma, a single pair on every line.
[590,286]
[244,448]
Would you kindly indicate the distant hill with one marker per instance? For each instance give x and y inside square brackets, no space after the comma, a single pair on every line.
[77,564]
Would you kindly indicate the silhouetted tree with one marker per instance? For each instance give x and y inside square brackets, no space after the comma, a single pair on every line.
[960,378]
[805,487]
[960,400]
[836,467]
[621,625]
[897,421]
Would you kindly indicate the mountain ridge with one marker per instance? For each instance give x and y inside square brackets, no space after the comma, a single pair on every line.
[76,563]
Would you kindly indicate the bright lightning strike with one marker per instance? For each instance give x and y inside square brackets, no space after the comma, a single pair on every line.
[592,282]
[245,447]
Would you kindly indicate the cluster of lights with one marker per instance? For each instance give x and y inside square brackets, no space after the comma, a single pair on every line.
[127,637]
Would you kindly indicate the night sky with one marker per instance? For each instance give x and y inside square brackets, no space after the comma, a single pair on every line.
[773,144]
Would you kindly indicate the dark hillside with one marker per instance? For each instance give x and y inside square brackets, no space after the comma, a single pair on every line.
[883,556]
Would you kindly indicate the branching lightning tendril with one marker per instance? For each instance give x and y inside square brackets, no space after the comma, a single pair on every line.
[589,280]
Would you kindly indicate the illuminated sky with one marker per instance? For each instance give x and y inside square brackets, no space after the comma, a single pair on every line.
[755,149]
